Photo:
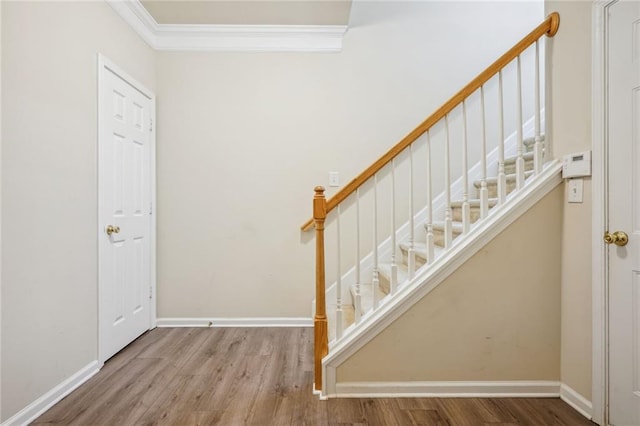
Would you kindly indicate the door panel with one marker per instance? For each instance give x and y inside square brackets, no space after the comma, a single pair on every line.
[125,204]
[623,58]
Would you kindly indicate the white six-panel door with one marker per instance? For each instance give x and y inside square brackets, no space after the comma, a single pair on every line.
[125,221]
[623,57]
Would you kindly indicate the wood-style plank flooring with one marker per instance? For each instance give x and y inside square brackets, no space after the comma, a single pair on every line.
[260,376]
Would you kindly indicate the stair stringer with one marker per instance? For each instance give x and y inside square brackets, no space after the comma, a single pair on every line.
[429,278]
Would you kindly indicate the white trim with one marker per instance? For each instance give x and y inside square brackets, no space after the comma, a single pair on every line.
[137,17]
[105,64]
[317,393]
[374,323]
[153,303]
[49,399]
[229,38]
[598,217]
[579,403]
[453,389]
[235,322]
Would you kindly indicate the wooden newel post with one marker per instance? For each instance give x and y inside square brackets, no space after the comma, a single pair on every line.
[321,337]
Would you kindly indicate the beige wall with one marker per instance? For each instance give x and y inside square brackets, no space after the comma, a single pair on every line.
[49,198]
[497,317]
[571,132]
[244,138]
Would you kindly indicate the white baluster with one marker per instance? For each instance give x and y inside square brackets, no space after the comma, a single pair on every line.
[448,230]
[466,210]
[430,249]
[357,302]
[520,159]
[411,266]
[484,191]
[538,158]
[376,279]
[502,178]
[393,284]
[338,280]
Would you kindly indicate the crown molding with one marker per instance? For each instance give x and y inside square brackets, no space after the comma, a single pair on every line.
[229,38]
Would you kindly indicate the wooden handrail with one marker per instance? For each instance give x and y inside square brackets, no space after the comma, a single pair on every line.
[549,27]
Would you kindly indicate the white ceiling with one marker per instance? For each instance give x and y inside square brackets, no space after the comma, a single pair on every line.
[249,12]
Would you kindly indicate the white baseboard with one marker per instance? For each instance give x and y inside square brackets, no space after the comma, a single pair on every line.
[49,399]
[447,389]
[318,393]
[236,322]
[581,404]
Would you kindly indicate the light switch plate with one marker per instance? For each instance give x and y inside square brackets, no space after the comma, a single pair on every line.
[576,188]
[334,179]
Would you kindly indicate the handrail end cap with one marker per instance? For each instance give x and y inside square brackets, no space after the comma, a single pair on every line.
[554,24]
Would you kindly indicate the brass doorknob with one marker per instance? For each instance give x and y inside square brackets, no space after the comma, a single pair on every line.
[112,229]
[618,238]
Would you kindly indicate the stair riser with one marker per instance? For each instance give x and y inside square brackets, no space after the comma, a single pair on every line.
[438,237]
[456,214]
[510,168]
[384,283]
[493,188]
[529,147]
[348,318]
[405,259]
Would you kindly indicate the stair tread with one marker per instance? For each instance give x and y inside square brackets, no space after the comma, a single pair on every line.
[421,249]
[366,295]
[531,140]
[385,270]
[527,156]
[348,318]
[474,202]
[439,226]
[494,179]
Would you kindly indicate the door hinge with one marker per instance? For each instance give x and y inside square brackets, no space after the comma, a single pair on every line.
[150,293]
[150,209]
[151,125]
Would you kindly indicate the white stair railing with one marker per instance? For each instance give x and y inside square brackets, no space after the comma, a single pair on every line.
[502,177]
[466,219]
[448,232]
[520,159]
[357,298]
[376,279]
[393,276]
[537,149]
[429,237]
[339,313]
[411,254]
[484,191]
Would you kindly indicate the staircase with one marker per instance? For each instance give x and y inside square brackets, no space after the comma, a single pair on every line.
[420,247]
[404,263]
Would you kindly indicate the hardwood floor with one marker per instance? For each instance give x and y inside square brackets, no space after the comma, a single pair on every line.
[260,376]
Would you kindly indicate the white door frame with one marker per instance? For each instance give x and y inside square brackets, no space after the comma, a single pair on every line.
[103,64]
[599,211]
